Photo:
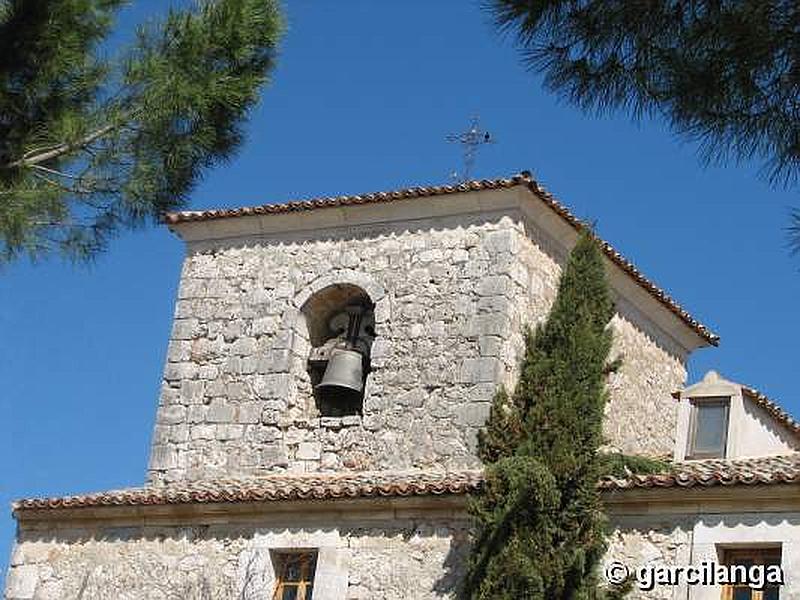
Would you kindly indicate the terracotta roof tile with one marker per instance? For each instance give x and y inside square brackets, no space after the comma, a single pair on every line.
[347,200]
[484,184]
[706,473]
[767,470]
[272,488]
[773,408]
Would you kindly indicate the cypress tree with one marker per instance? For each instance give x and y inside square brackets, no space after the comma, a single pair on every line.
[539,522]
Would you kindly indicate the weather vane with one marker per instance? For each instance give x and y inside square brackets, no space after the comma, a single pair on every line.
[470,141]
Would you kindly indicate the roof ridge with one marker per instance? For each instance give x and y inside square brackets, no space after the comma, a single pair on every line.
[523,178]
[288,476]
[283,486]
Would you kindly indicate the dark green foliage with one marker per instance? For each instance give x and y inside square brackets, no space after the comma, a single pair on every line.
[539,523]
[503,431]
[89,146]
[517,517]
[623,465]
[724,72]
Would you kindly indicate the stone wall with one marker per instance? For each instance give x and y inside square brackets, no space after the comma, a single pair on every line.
[641,413]
[697,537]
[451,297]
[662,539]
[236,396]
[393,559]
[389,551]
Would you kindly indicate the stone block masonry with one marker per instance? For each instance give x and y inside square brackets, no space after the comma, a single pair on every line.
[237,399]
[383,556]
[451,298]
[375,548]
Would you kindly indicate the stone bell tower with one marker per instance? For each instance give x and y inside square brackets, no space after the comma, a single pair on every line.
[371,332]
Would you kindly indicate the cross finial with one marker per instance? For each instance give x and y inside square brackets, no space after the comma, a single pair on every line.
[470,141]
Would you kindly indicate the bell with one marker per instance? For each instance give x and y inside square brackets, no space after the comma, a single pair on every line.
[344,374]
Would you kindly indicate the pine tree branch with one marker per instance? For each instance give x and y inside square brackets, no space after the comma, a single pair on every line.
[62,149]
[51,182]
[82,192]
[54,172]
[130,137]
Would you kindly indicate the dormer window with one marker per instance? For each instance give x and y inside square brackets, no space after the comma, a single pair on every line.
[709,428]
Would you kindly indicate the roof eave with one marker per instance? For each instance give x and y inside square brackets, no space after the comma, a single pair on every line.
[193,226]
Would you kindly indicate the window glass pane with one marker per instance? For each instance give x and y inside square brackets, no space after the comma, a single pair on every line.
[294,572]
[771,594]
[711,424]
[289,593]
[745,561]
[312,568]
[742,593]
[748,557]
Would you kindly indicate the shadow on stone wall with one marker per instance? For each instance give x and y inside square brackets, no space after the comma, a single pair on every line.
[137,533]
[731,521]
[454,566]
[350,233]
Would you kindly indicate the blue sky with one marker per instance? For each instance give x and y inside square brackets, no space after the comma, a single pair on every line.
[362,101]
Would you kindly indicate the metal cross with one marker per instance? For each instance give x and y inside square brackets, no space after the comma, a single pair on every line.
[470,140]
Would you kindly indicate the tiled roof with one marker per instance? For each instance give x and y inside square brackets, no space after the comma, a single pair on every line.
[418,192]
[773,408]
[706,473]
[348,200]
[768,470]
[275,487]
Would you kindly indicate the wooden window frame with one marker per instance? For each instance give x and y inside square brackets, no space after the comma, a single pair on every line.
[695,403]
[759,555]
[308,564]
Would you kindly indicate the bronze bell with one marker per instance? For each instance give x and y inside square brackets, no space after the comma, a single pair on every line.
[344,374]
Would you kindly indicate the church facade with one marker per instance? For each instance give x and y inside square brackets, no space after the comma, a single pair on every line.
[330,364]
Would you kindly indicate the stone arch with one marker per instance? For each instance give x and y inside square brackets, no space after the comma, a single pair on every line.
[372,288]
[311,309]
[323,304]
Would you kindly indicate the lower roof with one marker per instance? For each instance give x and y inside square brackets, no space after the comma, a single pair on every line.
[765,470]
[771,470]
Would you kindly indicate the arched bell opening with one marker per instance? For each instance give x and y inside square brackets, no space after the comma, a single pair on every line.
[341,328]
